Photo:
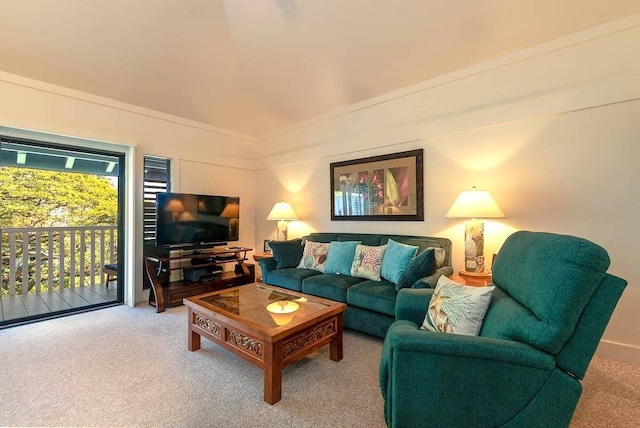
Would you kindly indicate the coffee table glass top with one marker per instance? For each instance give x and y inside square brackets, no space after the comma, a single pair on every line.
[263,305]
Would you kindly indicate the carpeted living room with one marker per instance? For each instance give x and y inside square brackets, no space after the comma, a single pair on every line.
[336,213]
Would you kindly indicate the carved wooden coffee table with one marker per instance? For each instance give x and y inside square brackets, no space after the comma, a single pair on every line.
[295,325]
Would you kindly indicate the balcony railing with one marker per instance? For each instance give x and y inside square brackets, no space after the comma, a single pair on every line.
[40,259]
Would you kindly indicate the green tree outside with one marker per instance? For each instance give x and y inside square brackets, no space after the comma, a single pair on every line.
[31,198]
[39,198]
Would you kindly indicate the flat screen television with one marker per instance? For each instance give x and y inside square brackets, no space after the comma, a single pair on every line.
[184,219]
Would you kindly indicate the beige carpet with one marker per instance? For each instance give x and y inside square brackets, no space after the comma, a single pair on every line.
[131,367]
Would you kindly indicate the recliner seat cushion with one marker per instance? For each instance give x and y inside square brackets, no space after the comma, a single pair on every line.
[547,280]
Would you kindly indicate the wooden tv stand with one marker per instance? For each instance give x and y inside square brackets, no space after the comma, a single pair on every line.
[165,294]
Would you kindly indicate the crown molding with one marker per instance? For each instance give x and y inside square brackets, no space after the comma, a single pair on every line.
[117,105]
[540,49]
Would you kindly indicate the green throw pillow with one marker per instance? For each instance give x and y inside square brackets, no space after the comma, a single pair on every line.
[424,264]
[396,259]
[340,257]
[287,254]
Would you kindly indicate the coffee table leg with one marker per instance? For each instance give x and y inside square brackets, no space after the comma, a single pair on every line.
[272,372]
[194,338]
[335,352]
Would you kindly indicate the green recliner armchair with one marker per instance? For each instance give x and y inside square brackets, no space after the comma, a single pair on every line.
[552,302]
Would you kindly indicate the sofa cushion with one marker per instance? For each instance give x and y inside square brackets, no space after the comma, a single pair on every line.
[378,296]
[322,237]
[366,239]
[290,278]
[287,254]
[367,261]
[340,257]
[314,256]
[329,286]
[457,308]
[396,259]
[424,264]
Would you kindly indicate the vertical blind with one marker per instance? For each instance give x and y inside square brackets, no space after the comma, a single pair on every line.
[157,179]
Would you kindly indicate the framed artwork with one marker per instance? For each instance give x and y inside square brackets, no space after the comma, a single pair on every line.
[387,187]
[267,248]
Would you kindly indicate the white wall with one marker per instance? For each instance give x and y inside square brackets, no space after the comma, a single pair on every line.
[552,132]
[204,159]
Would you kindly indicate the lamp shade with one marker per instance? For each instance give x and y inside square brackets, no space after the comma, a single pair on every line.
[475,203]
[232,210]
[175,206]
[282,211]
[282,312]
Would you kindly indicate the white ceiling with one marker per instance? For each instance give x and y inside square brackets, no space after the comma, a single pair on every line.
[256,66]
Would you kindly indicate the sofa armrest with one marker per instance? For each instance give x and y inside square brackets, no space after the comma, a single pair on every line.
[411,304]
[431,280]
[267,265]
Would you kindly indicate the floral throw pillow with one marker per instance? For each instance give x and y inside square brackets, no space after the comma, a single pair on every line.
[314,256]
[456,308]
[367,261]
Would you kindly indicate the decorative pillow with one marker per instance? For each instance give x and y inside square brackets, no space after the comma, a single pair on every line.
[367,261]
[340,257]
[424,264]
[287,254]
[456,308]
[314,256]
[396,259]
[440,255]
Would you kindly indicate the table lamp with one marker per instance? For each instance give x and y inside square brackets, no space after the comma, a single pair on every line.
[474,204]
[282,312]
[282,212]
[232,212]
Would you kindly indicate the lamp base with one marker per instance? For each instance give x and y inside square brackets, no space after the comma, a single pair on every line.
[474,246]
[483,274]
[282,227]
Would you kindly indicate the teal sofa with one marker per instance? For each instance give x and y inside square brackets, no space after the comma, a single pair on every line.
[552,301]
[370,304]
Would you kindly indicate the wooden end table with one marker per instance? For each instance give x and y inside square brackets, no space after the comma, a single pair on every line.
[238,320]
[476,281]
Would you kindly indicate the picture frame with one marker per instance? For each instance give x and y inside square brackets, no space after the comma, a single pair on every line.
[386,187]
[266,247]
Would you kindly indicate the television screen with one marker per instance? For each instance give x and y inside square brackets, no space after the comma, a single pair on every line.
[183,219]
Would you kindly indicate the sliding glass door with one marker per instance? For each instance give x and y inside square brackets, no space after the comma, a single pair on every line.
[61,212]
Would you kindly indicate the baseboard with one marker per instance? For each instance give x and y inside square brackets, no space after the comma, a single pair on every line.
[619,351]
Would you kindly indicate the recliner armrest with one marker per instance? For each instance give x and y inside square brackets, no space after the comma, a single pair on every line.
[451,380]
[411,304]
[406,335]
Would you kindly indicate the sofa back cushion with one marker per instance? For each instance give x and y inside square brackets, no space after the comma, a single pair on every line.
[544,282]
[287,254]
[372,239]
